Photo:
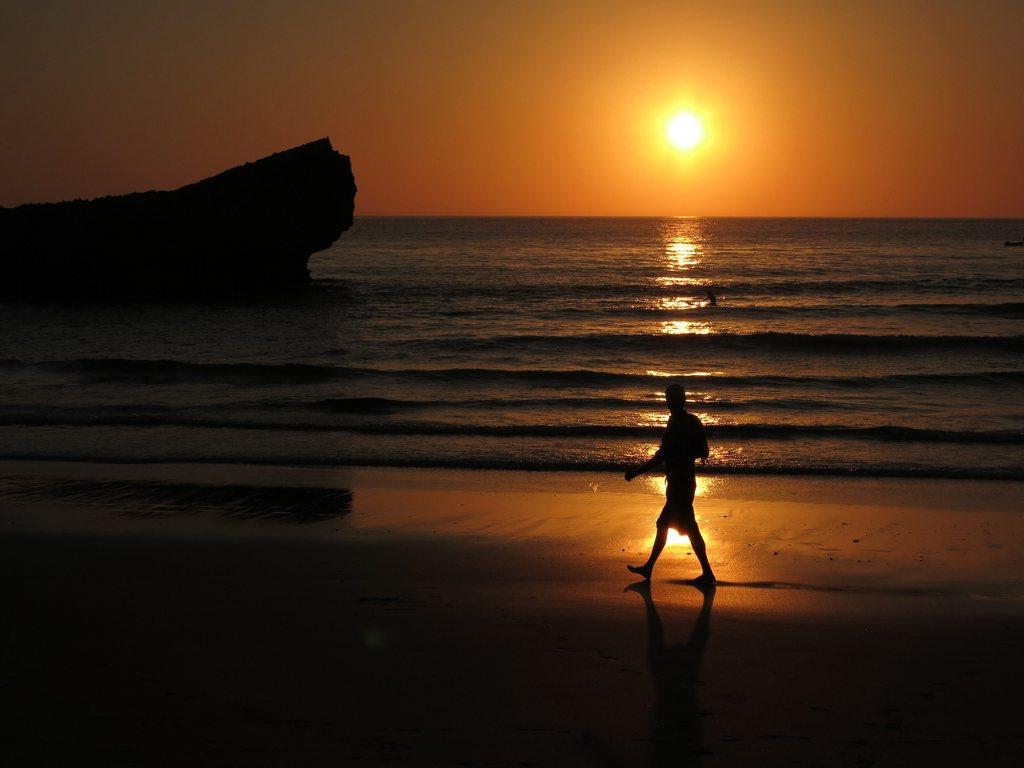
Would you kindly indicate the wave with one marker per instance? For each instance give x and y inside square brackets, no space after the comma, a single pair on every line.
[895,434]
[832,310]
[172,371]
[836,343]
[161,371]
[380,405]
[362,405]
[1013,309]
[531,465]
[698,283]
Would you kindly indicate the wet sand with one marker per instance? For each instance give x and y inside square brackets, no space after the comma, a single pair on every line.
[206,616]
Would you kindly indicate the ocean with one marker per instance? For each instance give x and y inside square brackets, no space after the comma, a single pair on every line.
[837,346]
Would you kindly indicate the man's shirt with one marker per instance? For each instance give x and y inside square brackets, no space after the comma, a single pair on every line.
[683,443]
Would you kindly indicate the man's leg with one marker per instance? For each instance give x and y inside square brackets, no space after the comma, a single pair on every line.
[696,540]
[699,549]
[660,538]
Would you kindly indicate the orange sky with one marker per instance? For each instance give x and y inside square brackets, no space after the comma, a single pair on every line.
[810,108]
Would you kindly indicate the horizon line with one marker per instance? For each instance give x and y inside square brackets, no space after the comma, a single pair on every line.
[671,216]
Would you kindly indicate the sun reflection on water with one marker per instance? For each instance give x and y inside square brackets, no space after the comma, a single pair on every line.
[679,327]
[670,280]
[706,418]
[659,418]
[652,418]
[687,374]
[677,303]
[684,253]
[683,241]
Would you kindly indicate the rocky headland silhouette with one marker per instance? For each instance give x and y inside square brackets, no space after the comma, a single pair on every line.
[250,228]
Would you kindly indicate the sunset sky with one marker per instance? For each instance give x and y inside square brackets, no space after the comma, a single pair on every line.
[808,108]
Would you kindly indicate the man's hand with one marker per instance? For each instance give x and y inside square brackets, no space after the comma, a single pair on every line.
[630,474]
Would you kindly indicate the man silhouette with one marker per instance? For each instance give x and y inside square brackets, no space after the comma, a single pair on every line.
[683,443]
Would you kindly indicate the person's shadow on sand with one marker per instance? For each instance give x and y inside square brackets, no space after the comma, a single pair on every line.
[676,733]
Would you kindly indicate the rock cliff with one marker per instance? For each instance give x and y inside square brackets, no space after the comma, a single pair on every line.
[252,227]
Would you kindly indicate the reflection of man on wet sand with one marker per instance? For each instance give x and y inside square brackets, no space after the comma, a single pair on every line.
[676,739]
[683,443]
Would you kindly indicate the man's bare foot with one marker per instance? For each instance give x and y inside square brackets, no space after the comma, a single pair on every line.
[704,580]
[640,570]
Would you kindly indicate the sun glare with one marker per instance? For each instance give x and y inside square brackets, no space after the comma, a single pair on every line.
[656,486]
[685,131]
[677,539]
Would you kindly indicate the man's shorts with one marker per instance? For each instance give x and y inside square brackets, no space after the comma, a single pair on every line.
[678,511]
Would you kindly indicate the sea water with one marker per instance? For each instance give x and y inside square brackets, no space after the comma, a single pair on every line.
[836,346]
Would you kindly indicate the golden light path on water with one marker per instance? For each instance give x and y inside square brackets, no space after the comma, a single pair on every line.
[684,251]
[670,280]
[679,303]
[678,327]
[683,241]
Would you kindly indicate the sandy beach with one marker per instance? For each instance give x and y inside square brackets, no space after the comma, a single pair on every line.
[179,614]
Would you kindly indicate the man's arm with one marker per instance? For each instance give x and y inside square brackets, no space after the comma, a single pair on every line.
[647,466]
[703,444]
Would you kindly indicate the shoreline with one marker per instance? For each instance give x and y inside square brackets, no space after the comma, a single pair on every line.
[948,536]
[518,467]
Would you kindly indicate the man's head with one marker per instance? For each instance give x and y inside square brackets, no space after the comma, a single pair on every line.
[675,397]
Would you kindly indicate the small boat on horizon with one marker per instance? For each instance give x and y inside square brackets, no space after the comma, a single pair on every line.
[1014,243]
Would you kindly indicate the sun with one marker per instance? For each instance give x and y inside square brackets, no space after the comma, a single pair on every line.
[685,131]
